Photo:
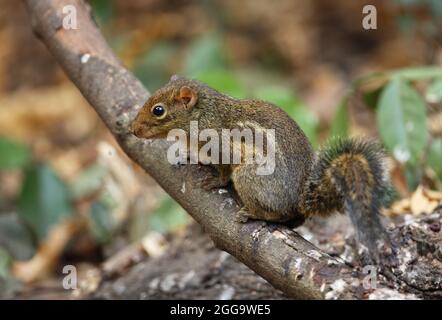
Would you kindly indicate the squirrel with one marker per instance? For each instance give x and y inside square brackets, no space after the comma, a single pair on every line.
[349,176]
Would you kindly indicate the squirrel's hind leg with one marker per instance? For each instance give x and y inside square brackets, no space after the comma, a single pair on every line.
[263,198]
[243,215]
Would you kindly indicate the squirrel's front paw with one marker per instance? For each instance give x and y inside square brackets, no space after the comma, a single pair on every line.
[210,182]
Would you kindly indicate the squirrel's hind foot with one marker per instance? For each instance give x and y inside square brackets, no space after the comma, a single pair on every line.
[243,215]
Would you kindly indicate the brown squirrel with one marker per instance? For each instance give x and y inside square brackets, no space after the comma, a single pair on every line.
[348,176]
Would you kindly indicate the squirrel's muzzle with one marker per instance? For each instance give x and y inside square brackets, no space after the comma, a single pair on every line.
[143,131]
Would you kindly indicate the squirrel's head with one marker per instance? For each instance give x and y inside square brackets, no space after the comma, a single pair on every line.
[171,107]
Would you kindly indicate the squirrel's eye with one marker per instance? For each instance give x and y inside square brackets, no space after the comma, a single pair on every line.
[159,110]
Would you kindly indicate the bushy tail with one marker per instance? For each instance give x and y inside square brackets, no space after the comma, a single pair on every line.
[350,176]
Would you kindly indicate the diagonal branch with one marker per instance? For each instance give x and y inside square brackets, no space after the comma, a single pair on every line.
[276,253]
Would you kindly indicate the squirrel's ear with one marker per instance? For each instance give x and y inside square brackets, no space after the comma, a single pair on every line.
[188,96]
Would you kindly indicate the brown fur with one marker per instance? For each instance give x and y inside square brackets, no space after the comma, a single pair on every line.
[294,191]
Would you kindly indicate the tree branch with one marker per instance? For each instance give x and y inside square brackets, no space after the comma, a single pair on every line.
[276,253]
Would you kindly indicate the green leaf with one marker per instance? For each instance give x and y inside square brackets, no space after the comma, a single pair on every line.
[402,121]
[436,8]
[152,67]
[339,127]
[413,175]
[417,73]
[103,10]
[371,98]
[15,237]
[408,3]
[44,200]
[434,91]
[285,99]
[9,287]
[101,222]
[406,22]
[435,157]
[5,263]
[205,54]
[168,217]
[308,123]
[119,42]
[139,222]
[223,81]
[411,74]
[13,155]
[88,181]
[279,96]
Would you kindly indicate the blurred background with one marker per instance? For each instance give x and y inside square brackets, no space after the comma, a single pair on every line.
[69,196]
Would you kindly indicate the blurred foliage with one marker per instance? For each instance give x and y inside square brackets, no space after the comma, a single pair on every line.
[205,54]
[168,216]
[402,118]
[340,123]
[223,81]
[5,262]
[409,22]
[289,103]
[88,182]
[434,5]
[15,237]
[101,222]
[434,91]
[44,200]
[371,98]
[13,155]
[8,285]
[435,157]
[402,121]
[151,67]
[103,10]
